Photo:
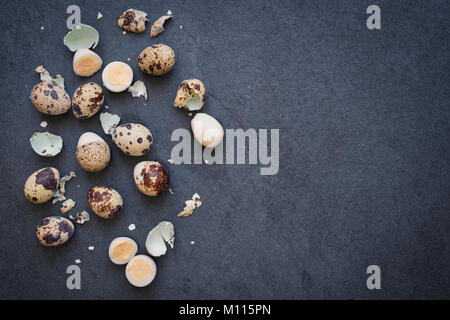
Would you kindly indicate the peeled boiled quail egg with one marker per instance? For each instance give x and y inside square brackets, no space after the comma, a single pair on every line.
[207,130]
[122,250]
[141,270]
[117,76]
[86,62]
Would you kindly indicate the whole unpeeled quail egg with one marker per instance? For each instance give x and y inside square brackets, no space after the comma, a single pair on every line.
[133,139]
[122,250]
[87,100]
[50,98]
[141,270]
[93,152]
[104,201]
[42,185]
[117,76]
[156,60]
[54,231]
[207,130]
[86,62]
[151,178]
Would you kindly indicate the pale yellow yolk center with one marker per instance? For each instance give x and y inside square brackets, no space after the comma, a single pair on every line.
[140,269]
[122,251]
[86,65]
[119,75]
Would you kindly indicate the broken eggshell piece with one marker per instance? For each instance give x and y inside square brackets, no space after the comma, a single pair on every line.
[156,238]
[190,95]
[158,25]
[138,89]
[109,121]
[133,20]
[46,144]
[81,36]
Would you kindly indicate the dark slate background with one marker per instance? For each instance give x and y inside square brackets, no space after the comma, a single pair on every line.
[364,157]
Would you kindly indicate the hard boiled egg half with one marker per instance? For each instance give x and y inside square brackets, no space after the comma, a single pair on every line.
[122,250]
[141,270]
[86,62]
[117,76]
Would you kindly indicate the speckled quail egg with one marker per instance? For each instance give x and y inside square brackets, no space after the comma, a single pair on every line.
[87,100]
[50,98]
[86,62]
[122,249]
[104,201]
[93,152]
[141,270]
[190,95]
[54,231]
[117,76]
[151,178]
[42,185]
[133,20]
[133,139]
[156,60]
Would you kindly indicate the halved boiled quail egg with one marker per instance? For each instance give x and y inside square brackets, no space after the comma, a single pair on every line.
[117,76]
[122,250]
[141,270]
[86,62]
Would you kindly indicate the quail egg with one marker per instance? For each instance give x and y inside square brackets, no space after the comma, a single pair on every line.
[54,231]
[133,139]
[122,250]
[87,100]
[104,201]
[141,270]
[151,178]
[117,76]
[156,60]
[207,130]
[42,185]
[93,152]
[86,62]
[50,98]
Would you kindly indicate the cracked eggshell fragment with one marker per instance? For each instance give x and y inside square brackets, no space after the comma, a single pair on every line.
[93,153]
[81,36]
[207,130]
[133,20]
[138,89]
[156,60]
[67,205]
[86,62]
[109,121]
[141,270]
[41,185]
[81,217]
[117,76]
[151,178]
[87,100]
[122,250]
[158,25]
[156,238]
[49,98]
[190,95]
[46,144]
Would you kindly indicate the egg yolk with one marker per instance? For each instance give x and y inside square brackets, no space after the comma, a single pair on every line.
[86,66]
[139,269]
[119,75]
[122,251]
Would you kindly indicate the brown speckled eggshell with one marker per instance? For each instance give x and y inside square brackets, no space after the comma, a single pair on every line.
[54,231]
[49,98]
[133,139]
[87,100]
[128,21]
[156,60]
[42,185]
[183,92]
[94,156]
[104,201]
[152,179]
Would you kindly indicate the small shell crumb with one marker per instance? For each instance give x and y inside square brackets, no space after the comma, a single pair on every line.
[99,15]
[191,205]
[170,161]
[80,217]
[131,227]
[91,248]
[124,32]
[44,124]
[192,242]
[77,261]
[67,205]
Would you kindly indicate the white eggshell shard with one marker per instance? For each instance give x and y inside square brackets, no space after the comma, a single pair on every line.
[81,36]
[109,121]
[86,62]
[156,238]
[122,250]
[138,89]
[117,76]
[89,137]
[141,270]
[207,130]
[46,144]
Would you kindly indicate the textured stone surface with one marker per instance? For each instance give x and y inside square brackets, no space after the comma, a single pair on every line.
[365,153]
